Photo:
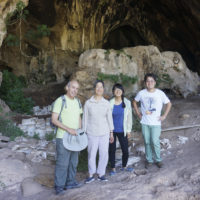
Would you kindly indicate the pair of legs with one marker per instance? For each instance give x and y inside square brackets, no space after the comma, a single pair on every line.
[66,164]
[98,143]
[151,135]
[124,146]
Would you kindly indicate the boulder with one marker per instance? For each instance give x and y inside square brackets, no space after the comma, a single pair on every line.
[29,187]
[6,8]
[13,171]
[133,63]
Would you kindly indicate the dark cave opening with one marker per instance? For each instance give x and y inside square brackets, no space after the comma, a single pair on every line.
[124,36]
[127,36]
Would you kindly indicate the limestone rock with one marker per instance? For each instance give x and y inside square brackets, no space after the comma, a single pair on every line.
[6,7]
[36,125]
[45,179]
[3,108]
[136,62]
[29,187]
[13,171]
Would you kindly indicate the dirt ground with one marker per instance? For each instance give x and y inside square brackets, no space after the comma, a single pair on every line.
[179,179]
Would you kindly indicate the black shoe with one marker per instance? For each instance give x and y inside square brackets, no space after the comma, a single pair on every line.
[159,164]
[60,192]
[148,164]
[74,185]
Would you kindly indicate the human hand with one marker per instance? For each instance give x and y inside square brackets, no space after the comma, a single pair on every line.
[72,131]
[162,118]
[128,135]
[139,115]
[111,138]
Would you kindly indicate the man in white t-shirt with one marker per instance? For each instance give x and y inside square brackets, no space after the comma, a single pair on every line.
[152,100]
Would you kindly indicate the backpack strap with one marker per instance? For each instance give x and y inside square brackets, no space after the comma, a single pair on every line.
[79,102]
[62,106]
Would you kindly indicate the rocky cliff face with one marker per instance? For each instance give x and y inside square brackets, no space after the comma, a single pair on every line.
[129,64]
[78,25]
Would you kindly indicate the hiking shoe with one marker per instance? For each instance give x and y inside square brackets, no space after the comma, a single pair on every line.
[159,164]
[148,164]
[89,179]
[112,173]
[128,169]
[102,178]
[60,192]
[74,185]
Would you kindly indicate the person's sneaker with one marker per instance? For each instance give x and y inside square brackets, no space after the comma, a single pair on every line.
[60,192]
[74,185]
[102,178]
[159,164]
[89,179]
[112,173]
[129,169]
[148,164]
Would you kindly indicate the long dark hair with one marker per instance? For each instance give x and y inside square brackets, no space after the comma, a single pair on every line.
[119,86]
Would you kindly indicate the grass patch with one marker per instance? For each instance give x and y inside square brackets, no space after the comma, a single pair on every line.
[7,128]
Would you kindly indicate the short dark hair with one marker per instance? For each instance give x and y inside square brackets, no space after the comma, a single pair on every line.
[150,75]
[98,81]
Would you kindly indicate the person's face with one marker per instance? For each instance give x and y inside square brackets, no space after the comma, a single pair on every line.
[72,89]
[118,92]
[99,89]
[150,83]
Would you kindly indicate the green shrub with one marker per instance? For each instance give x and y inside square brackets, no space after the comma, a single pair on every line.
[121,78]
[12,40]
[50,136]
[7,128]
[36,136]
[11,92]
[40,32]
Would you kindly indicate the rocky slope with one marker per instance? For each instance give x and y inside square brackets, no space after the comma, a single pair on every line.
[27,166]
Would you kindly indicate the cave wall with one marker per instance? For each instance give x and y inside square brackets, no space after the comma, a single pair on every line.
[78,25]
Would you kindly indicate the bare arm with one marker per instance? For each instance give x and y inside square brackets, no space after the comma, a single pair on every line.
[59,124]
[80,122]
[167,109]
[139,114]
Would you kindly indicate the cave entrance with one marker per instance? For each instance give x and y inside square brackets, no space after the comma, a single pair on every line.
[124,36]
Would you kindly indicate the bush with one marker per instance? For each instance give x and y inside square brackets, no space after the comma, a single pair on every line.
[50,136]
[7,128]
[11,93]
[36,136]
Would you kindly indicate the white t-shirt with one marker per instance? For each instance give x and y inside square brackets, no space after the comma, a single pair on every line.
[151,105]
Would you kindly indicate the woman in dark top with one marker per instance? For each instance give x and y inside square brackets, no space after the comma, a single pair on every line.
[122,119]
